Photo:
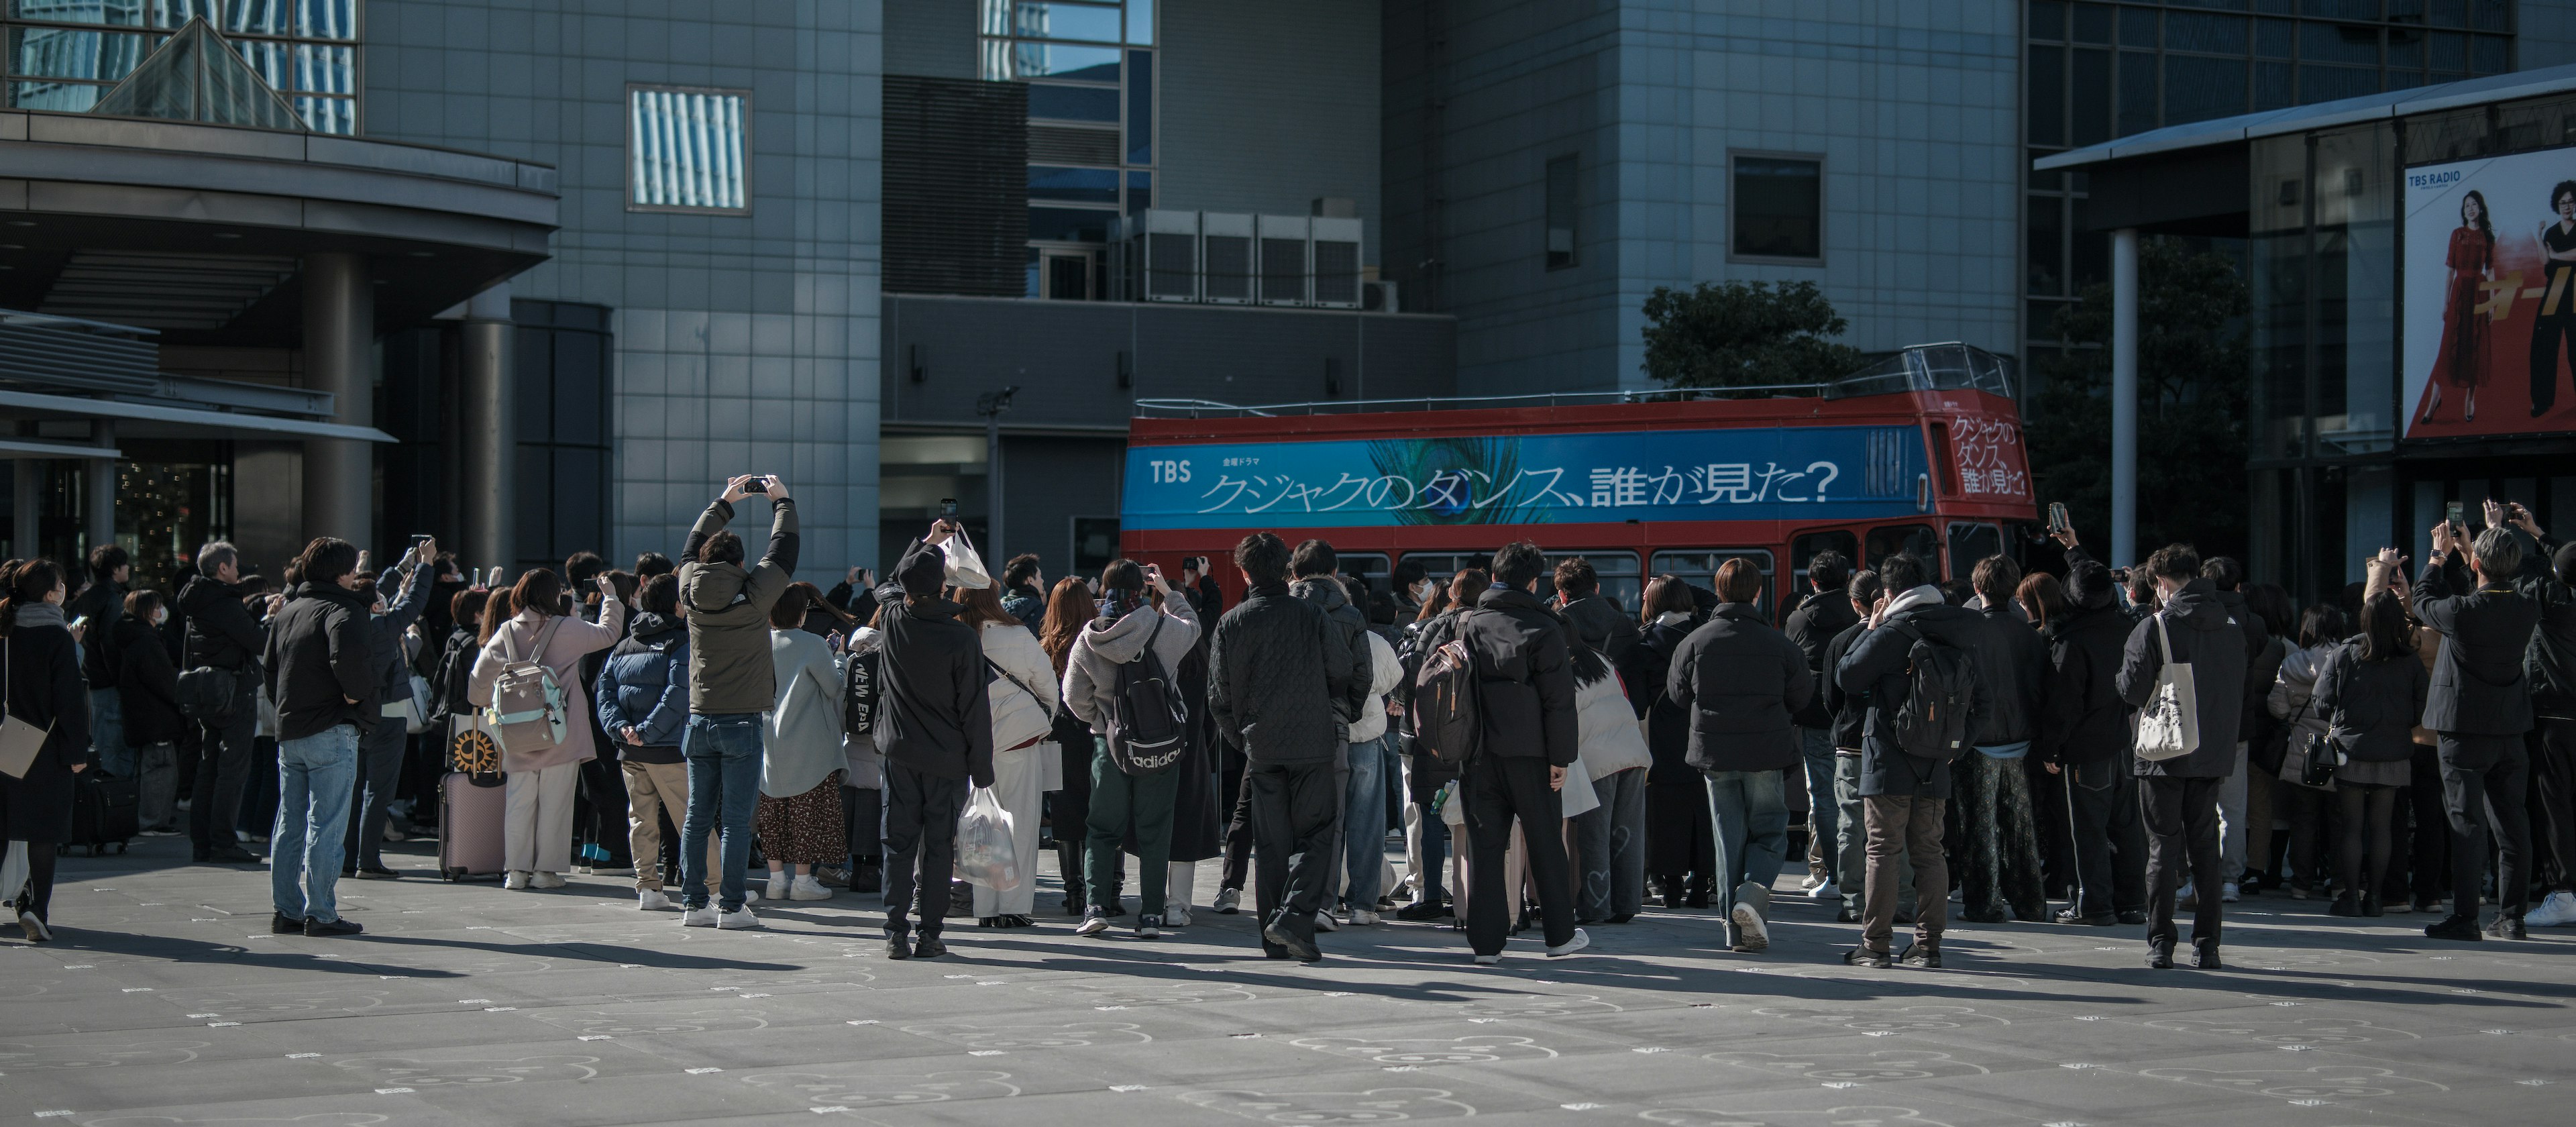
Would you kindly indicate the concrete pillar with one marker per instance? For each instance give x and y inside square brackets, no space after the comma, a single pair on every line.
[26,485]
[2124,397]
[98,489]
[489,455]
[339,357]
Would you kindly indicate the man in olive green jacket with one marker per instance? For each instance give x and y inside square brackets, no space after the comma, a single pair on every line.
[730,684]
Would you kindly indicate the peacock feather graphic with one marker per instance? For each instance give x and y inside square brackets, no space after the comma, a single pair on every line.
[1449,476]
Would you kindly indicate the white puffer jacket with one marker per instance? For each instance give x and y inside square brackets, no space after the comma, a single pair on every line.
[1611,741]
[1018,717]
[1385,669]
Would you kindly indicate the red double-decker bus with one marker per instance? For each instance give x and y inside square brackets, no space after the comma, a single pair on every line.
[1919,452]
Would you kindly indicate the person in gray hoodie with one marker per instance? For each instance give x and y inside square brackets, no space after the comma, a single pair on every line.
[2179,795]
[1128,621]
[731,682]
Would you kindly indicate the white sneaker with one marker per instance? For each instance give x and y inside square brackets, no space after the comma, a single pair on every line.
[1811,883]
[1488,960]
[1228,900]
[2227,893]
[749,895]
[545,880]
[739,919]
[778,885]
[1362,917]
[805,887]
[1324,921]
[698,917]
[652,900]
[1826,891]
[1579,942]
[517,880]
[1176,915]
[1750,929]
[2558,909]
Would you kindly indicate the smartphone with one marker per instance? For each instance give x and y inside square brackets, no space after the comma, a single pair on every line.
[82,621]
[2453,513]
[493,578]
[2057,521]
[756,485]
[948,508]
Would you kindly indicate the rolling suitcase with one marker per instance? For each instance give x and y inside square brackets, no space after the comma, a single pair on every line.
[104,811]
[469,825]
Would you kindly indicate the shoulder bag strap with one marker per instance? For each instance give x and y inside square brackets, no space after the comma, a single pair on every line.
[2163,640]
[1150,635]
[1024,686]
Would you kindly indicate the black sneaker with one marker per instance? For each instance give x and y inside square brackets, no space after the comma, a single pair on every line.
[279,923]
[1094,921]
[898,946]
[1847,916]
[2462,928]
[377,872]
[1864,957]
[1302,950]
[230,855]
[2508,926]
[2071,916]
[2159,958]
[929,947]
[320,929]
[2133,917]
[1923,953]
[1427,910]
[2208,960]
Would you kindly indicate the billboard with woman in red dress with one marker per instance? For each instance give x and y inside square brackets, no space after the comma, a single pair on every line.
[2490,289]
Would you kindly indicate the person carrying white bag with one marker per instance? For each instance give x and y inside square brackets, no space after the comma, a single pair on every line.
[936,704]
[1026,760]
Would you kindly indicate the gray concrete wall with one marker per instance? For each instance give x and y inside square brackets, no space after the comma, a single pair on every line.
[744,343]
[1266,107]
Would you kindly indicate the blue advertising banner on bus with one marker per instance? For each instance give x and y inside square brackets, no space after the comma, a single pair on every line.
[1751,473]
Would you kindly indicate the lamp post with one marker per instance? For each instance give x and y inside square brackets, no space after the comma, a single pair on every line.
[990,405]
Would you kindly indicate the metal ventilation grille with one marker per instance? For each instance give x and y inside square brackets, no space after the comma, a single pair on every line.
[54,353]
[1057,144]
[1283,270]
[1171,266]
[956,208]
[1337,272]
[1229,267]
[154,290]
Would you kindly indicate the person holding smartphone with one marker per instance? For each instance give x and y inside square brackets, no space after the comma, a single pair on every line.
[536,828]
[1129,621]
[2480,708]
[732,681]
[938,704]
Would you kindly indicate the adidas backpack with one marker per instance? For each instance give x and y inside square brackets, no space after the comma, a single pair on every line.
[1148,720]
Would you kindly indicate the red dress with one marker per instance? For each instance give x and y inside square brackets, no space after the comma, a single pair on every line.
[2465,335]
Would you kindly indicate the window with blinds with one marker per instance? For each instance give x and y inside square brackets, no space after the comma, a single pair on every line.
[687,150]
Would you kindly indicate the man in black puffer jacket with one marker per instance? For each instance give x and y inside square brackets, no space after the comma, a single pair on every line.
[1276,667]
[2084,732]
[2000,878]
[1526,694]
[1740,681]
[938,701]
[2179,796]
[222,634]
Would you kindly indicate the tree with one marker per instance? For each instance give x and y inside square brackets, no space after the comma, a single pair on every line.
[2192,375]
[1744,334]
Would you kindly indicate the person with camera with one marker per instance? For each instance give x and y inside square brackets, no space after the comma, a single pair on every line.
[321,671]
[536,830]
[1129,621]
[2371,693]
[2479,707]
[380,752]
[732,680]
[2179,795]
[219,678]
[938,704]
[2551,664]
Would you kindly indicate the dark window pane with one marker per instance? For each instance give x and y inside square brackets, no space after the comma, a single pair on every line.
[2046,181]
[534,378]
[2325,84]
[2450,13]
[2342,9]
[1140,107]
[2046,236]
[2197,89]
[1083,185]
[2273,88]
[2092,252]
[2272,38]
[2338,43]
[2405,79]
[1779,208]
[2276,7]
[1072,103]
[1562,202]
[2043,319]
[579,386]
[2492,15]
[2091,97]
[2405,49]
[581,501]
[534,501]
[2194,31]
[2047,19]
[2406,11]
[2137,92]
[2450,51]
[1069,224]
[2047,95]
[2138,27]
[1140,191]
[2092,23]
[2490,54]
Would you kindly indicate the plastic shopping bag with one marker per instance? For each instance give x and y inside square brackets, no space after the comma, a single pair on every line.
[965,567]
[985,855]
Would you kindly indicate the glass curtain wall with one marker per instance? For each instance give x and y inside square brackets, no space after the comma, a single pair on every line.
[65,54]
[1089,67]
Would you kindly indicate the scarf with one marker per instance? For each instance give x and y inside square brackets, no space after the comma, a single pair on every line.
[1923,596]
[1672,618]
[1115,604]
[40,614]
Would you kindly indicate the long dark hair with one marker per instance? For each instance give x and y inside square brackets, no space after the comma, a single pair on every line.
[2484,227]
[1069,608]
[540,590]
[28,584]
[500,608]
[1666,594]
[2320,625]
[2386,634]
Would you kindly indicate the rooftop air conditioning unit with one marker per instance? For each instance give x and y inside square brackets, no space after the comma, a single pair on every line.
[1336,257]
[1165,255]
[1225,258]
[1379,297]
[1286,263]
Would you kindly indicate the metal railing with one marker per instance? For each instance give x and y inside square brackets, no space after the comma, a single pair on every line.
[1209,408]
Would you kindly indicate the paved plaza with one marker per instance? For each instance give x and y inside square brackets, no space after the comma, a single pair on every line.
[167,1002]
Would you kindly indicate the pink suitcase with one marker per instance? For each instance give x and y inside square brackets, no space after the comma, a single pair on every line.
[469,825]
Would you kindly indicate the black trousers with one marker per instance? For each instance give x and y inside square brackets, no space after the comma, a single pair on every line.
[2552,747]
[921,845]
[223,764]
[1498,789]
[2556,325]
[1232,795]
[2428,853]
[1294,808]
[37,896]
[863,816]
[2482,784]
[2110,844]
[603,785]
[2181,818]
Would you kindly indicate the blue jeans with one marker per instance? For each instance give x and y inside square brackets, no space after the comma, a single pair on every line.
[1364,822]
[107,733]
[315,777]
[1751,812]
[724,782]
[1824,815]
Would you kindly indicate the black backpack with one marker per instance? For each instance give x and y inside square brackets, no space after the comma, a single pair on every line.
[1148,720]
[1448,702]
[1945,701]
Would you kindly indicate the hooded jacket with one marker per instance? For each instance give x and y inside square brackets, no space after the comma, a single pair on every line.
[147,684]
[1275,667]
[644,684]
[221,632]
[2204,635]
[729,667]
[1526,678]
[800,739]
[320,659]
[937,706]
[1818,619]
[1740,681]
[1350,629]
[1875,668]
[2014,661]
[2478,686]
[1091,668]
[1667,726]
[1384,671]
[1601,625]
[2371,706]
[2258,679]
[2082,719]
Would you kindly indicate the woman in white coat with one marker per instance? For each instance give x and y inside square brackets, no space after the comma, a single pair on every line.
[536,825]
[798,816]
[1611,837]
[1026,763]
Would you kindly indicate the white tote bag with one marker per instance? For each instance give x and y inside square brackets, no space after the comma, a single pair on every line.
[2169,727]
[965,568]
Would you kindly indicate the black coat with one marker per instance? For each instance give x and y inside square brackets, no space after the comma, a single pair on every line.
[2550,660]
[321,656]
[937,693]
[1350,631]
[45,689]
[1850,711]
[1739,679]
[1275,671]
[1601,625]
[2258,680]
[1525,678]
[1876,666]
[2014,660]
[1642,673]
[2082,719]
[2207,637]
[147,685]
[2371,706]
[221,631]
[1818,619]
[2478,686]
[103,604]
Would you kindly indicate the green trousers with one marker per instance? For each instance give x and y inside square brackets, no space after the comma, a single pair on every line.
[1117,799]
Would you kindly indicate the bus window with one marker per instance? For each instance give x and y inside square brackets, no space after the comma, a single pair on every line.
[1915,538]
[1620,582]
[1371,567]
[1972,542]
[1805,546]
[1439,566]
[1698,567]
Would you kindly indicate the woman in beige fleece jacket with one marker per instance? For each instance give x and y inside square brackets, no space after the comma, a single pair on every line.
[536,828]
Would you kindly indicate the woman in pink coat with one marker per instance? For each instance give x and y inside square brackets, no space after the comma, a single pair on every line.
[536,828]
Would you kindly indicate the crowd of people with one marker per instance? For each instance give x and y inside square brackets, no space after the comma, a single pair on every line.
[2130,743]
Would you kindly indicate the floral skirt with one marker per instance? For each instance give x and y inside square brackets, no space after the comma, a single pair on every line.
[803,829]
